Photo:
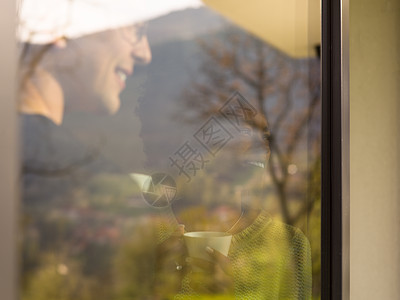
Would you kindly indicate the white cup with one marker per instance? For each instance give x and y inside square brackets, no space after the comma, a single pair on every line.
[196,243]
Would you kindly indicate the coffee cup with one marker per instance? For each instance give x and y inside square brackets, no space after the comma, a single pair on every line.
[197,242]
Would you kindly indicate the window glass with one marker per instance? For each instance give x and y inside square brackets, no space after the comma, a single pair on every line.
[170,149]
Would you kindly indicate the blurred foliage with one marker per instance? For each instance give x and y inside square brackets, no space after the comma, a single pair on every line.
[314,227]
[134,277]
[106,238]
[61,281]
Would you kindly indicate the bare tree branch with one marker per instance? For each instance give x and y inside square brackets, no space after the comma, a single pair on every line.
[271,81]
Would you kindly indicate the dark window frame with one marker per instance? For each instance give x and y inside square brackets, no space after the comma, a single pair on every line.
[335,164]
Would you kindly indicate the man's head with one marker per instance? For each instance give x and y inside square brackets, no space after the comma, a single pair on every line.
[89,48]
[92,69]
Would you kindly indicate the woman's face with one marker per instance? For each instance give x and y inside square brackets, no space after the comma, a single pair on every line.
[231,182]
[92,70]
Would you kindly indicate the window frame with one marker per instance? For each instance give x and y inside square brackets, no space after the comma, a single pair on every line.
[335,219]
[335,153]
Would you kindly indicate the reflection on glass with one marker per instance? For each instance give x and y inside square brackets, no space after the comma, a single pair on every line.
[168,153]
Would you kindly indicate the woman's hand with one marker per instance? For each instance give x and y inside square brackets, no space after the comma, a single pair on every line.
[212,276]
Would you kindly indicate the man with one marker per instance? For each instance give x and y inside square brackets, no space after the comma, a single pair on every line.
[75,57]
[79,72]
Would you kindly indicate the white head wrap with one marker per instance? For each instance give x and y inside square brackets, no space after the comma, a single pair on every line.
[43,21]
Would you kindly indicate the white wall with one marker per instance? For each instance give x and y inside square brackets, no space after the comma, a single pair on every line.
[374,149]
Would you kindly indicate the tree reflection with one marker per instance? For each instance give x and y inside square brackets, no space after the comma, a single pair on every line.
[285,92]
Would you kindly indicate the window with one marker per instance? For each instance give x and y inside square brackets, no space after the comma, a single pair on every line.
[136,120]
